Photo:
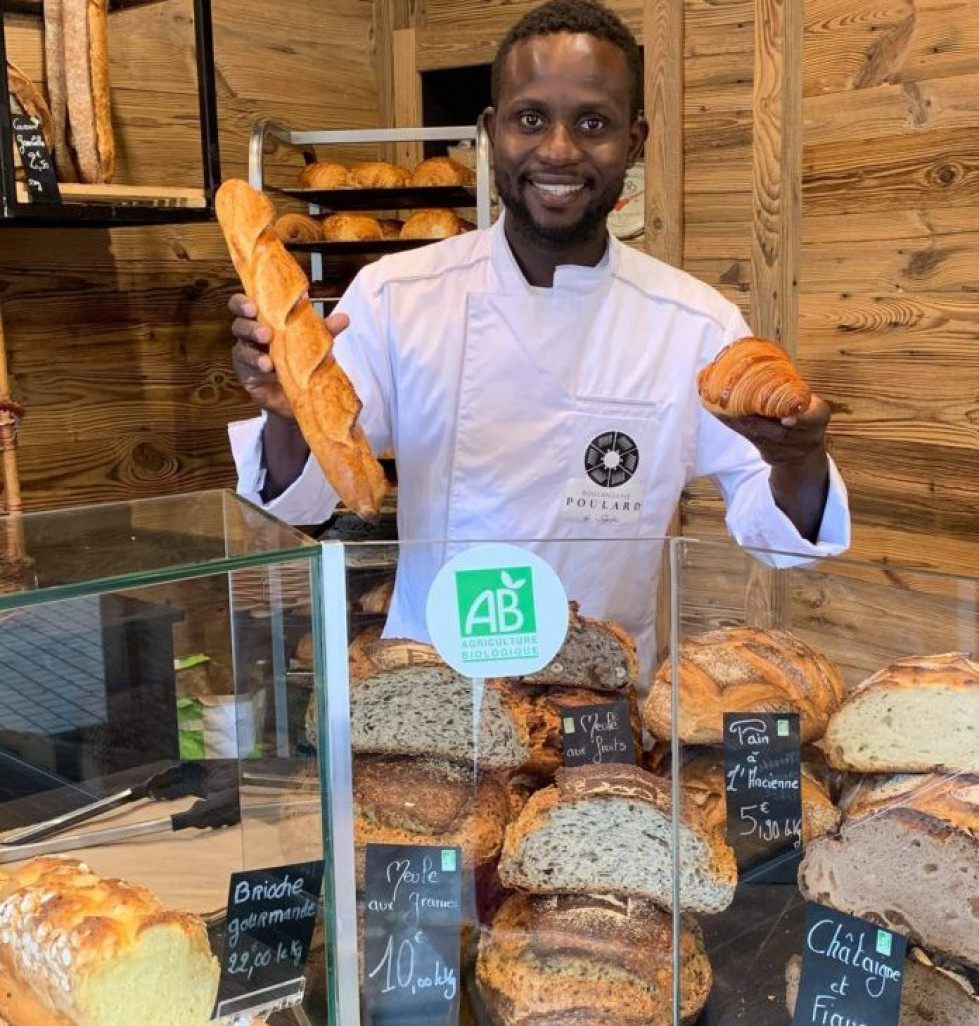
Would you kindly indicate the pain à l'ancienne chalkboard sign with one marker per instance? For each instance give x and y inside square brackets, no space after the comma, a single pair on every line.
[35,158]
[596,734]
[411,937]
[852,971]
[269,927]
[763,791]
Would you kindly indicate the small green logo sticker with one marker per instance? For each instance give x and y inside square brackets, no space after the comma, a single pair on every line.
[496,602]
[883,942]
[569,724]
[448,860]
[783,728]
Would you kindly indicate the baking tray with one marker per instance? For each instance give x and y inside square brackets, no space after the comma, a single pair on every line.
[356,249]
[387,199]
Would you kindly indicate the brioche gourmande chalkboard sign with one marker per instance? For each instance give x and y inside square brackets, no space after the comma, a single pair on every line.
[269,927]
[763,791]
[852,971]
[35,158]
[413,900]
[597,734]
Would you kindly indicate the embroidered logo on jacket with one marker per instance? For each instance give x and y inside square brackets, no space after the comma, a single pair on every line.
[611,459]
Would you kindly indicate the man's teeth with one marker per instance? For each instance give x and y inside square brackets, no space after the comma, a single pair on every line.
[559,190]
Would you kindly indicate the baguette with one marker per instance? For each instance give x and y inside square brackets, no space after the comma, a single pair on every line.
[54,73]
[906,857]
[323,400]
[87,88]
[917,715]
[80,950]
[588,961]
[753,377]
[28,98]
[607,830]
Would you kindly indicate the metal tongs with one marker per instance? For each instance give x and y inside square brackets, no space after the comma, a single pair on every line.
[218,805]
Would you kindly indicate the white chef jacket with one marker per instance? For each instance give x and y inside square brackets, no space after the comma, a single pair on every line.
[491,392]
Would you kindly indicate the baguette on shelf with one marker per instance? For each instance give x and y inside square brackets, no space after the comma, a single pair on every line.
[86,64]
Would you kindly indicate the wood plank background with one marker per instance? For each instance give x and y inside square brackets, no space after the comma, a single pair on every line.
[119,339]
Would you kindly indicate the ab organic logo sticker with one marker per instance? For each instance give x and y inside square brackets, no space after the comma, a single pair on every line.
[498,611]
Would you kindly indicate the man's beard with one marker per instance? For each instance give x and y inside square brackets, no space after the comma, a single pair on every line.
[583,230]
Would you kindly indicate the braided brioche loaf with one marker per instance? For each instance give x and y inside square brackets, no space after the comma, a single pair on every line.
[322,398]
[753,377]
[80,950]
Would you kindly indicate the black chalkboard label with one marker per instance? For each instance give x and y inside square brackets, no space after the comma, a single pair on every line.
[852,971]
[763,775]
[36,159]
[269,927]
[411,937]
[597,734]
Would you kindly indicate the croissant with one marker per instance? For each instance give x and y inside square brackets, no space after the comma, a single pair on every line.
[323,175]
[351,227]
[377,174]
[432,224]
[322,397]
[753,376]
[442,171]
[298,228]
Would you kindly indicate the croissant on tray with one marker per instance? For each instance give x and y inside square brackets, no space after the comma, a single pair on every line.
[753,377]
[322,397]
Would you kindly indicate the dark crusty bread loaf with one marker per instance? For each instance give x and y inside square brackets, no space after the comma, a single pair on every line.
[704,785]
[581,960]
[429,711]
[596,654]
[907,858]
[917,715]
[607,830]
[930,996]
[744,669]
[424,801]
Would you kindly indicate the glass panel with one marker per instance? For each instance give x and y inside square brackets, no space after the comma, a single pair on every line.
[757,643]
[474,851]
[48,555]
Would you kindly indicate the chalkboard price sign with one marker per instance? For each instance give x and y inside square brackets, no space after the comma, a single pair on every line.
[411,938]
[852,971]
[36,159]
[269,927]
[763,786]
[597,734]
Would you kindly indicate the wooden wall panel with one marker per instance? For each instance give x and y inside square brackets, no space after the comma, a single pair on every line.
[119,340]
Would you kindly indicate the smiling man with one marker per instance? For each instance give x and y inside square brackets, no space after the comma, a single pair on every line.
[537,379]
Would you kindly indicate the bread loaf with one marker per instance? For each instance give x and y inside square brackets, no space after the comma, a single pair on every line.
[54,73]
[298,228]
[87,88]
[704,784]
[930,996]
[568,960]
[425,801]
[442,171]
[323,175]
[377,174]
[80,950]
[753,377]
[429,711]
[918,715]
[351,227]
[908,859]
[26,97]
[744,670]
[596,654]
[432,224]
[607,830]
[322,398]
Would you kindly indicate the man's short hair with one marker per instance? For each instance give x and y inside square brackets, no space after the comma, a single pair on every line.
[587,17]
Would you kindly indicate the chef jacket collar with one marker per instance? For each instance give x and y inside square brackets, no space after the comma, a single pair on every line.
[567,277]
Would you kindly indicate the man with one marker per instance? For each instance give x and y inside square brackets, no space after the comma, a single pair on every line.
[537,380]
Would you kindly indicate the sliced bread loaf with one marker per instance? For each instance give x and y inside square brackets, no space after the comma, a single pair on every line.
[917,715]
[587,961]
[930,996]
[907,858]
[607,830]
[739,670]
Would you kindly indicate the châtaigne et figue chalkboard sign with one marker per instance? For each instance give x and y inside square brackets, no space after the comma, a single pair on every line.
[35,158]
[763,789]
[269,927]
[412,929]
[597,734]
[852,971]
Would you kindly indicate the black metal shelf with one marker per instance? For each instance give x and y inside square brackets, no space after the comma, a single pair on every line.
[357,249]
[453,196]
